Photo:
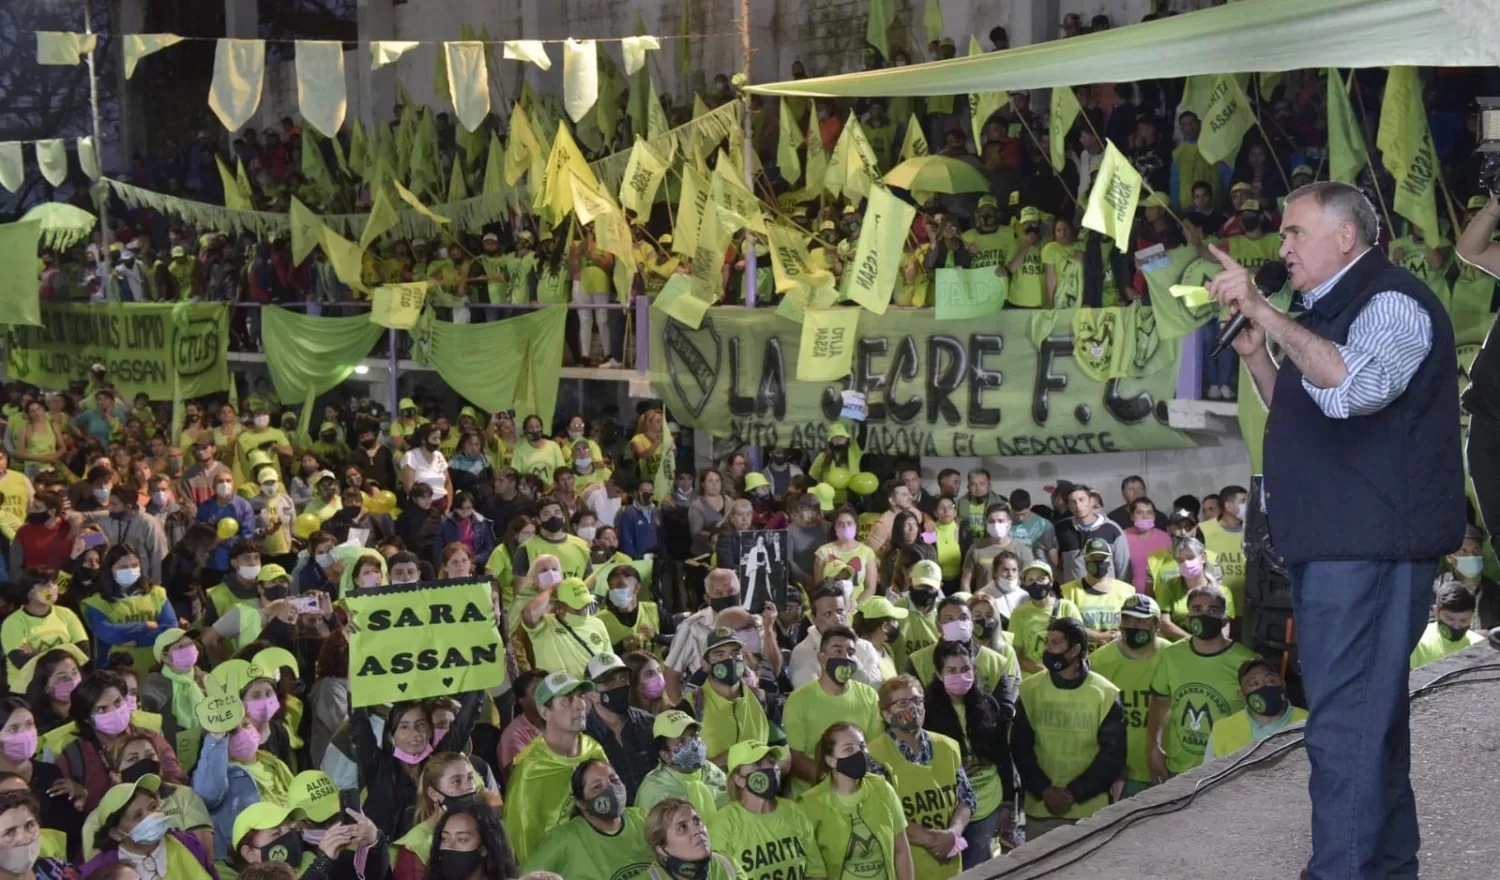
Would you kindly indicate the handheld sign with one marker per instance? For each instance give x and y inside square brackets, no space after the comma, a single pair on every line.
[431,639]
[222,710]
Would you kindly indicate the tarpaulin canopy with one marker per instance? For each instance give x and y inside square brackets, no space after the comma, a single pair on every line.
[1257,35]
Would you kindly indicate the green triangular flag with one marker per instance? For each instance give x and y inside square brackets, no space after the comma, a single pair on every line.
[457,190]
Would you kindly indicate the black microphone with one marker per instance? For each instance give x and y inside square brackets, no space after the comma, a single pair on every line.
[1269,280]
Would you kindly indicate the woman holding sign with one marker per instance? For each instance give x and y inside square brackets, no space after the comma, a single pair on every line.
[392,766]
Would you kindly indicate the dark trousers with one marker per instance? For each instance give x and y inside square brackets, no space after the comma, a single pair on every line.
[1483,451]
[1357,623]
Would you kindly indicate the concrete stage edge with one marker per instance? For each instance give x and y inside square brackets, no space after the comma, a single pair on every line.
[1254,825]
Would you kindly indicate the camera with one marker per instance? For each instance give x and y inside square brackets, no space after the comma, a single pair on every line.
[1489,144]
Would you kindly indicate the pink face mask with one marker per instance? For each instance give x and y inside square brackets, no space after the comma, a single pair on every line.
[19,747]
[958,683]
[183,658]
[1191,568]
[244,743]
[408,758]
[550,577]
[654,686]
[62,691]
[1145,525]
[929,537]
[131,702]
[958,630]
[261,711]
[113,722]
[845,533]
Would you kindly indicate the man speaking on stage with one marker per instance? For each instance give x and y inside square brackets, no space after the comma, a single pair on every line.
[1363,493]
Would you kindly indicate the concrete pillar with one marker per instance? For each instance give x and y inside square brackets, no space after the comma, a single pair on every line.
[242,18]
[376,20]
[1034,21]
[765,64]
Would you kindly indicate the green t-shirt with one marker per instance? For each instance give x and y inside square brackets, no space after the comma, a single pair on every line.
[996,248]
[58,626]
[810,710]
[779,845]
[1133,678]
[856,832]
[569,647]
[539,795]
[1069,272]
[1252,253]
[1411,255]
[542,463]
[1433,646]
[1172,596]
[1100,610]
[1203,689]
[1029,282]
[918,631]
[727,722]
[578,851]
[1230,547]
[1028,626]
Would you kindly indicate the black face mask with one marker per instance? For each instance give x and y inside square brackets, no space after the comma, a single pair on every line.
[352,511]
[616,700]
[727,672]
[921,598]
[695,869]
[286,848]
[1205,626]
[893,632]
[1139,638]
[764,784]
[854,766]
[554,524]
[455,865]
[986,628]
[370,443]
[719,603]
[1251,224]
[453,802]
[1037,589]
[274,593]
[1099,568]
[37,519]
[140,768]
[1269,700]
[430,445]
[1055,661]
[1451,633]
[533,436]
[840,669]
[610,803]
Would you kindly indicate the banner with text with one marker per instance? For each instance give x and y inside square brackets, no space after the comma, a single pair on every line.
[933,388]
[426,640]
[141,346]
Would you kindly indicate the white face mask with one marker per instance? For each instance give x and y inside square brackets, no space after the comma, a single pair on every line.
[1239,511]
[324,560]
[997,529]
[268,489]
[248,572]
[262,421]
[19,859]
[224,490]
[587,532]
[1008,585]
[161,498]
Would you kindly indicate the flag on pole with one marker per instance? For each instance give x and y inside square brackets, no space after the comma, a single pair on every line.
[1346,142]
[1113,197]
[1405,143]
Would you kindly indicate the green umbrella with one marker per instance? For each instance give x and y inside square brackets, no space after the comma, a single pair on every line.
[937,174]
[62,224]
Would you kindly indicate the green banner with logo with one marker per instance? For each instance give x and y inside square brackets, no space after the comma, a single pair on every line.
[141,346]
[936,388]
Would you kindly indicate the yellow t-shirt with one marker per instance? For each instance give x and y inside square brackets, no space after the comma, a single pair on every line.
[555,648]
[1100,610]
[1230,546]
[811,709]
[18,493]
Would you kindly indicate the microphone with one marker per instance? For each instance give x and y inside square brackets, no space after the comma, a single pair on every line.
[1268,280]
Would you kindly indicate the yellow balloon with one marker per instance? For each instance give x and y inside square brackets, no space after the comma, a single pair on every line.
[864,483]
[383,502]
[837,477]
[228,528]
[306,524]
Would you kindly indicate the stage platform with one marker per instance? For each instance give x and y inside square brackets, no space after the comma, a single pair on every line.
[1253,825]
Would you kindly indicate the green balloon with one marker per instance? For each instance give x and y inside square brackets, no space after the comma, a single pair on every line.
[837,477]
[864,483]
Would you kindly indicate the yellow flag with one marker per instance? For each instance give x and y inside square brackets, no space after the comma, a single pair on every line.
[243,179]
[790,263]
[580,77]
[588,203]
[458,190]
[494,167]
[1113,197]
[853,163]
[656,117]
[1405,143]
[524,151]
[307,230]
[696,191]
[398,306]
[737,205]
[63,48]
[554,197]
[233,198]
[708,254]
[676,300]
[643,177]
[1226,118]
[416,203]
[915,142]
[138,46]
[382,218]
[1065,110]
[1347,155]
[346,257]
[932,20]
[872,276]
[815,174]
[827,347]
[786,147]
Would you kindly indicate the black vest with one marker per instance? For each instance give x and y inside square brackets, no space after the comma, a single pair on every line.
[1389,485]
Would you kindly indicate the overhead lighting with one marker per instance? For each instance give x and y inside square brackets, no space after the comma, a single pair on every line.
[361,369]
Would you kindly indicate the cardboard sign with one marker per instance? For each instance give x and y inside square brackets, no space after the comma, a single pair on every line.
[222,710]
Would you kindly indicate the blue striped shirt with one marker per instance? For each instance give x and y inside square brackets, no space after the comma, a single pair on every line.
[1387,342]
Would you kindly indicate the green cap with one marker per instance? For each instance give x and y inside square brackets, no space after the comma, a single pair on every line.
[270,572]
[313,792]
[824,493]
[927,573]
[560,684]
[879,607]
[755,480]
[988,202]
[673,723]
[573,593]
[405,404]
[165,640]
[751,751]
[258,817]
[1097,547]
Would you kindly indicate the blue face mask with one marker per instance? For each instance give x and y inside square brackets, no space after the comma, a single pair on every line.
[690,755]
[1470,566]
[620,596]
[150,829]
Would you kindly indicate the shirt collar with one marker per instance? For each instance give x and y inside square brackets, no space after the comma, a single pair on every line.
[1317,293]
